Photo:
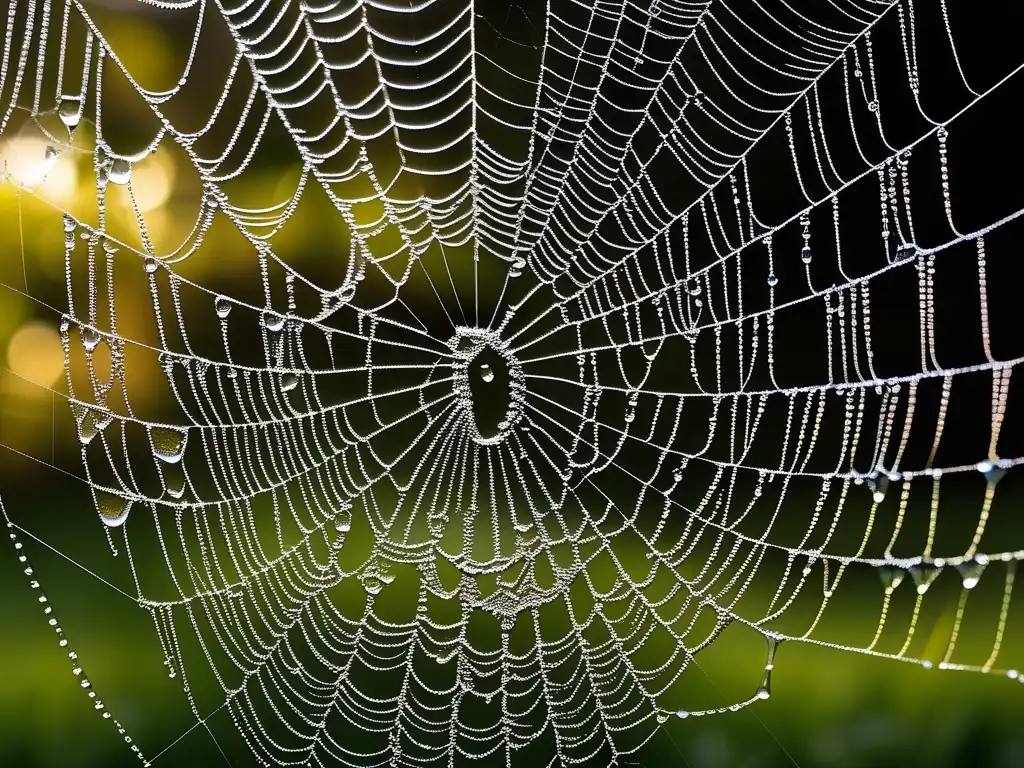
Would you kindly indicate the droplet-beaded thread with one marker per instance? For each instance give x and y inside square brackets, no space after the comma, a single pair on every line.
[596,378]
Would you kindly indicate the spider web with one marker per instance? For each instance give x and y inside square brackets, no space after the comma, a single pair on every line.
[621,331]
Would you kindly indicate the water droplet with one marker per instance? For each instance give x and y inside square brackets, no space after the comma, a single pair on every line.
[906,251]
[347,293]
[372,585]
[773,280]
[970,572]
[222,307]
[891,575]
[70,110]
[90,338]
[924,574]
[289,381]
[682,714]
[113,509]
[805,255]
[120,171]
[343,521]
[150,264]
[273,321]
[878,487]
[992,472]
[662,717]
[486,373]
[168,443]
[630,415]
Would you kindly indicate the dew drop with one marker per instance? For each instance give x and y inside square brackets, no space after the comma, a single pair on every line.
[273,321]
[906,251]
[113,509]
[90,338]
[150,264]
[486,373]
[70,110]
[878,488]
[773,280]
[630,415]
[970,572]
[805,255]
[347,293]
[222,307]
[924,574]
[662,717]
[120,171]
[372,585]
[343,521]
[168,444]
[891,575]
[289,381]
[682,714]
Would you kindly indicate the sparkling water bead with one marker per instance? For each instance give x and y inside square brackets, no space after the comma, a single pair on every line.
[222,306]
[120,171]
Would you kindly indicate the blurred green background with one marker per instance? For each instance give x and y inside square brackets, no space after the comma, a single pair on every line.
[827,708]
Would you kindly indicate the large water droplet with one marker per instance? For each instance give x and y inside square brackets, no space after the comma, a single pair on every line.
[70,110]
[924,574]
[773,280]
[90,338]
[805,255]
[174,480]
[222,307]
[993,473]
[168,443]
[273,321]
[343,521]
[891,575]
[372,585]
[289,381]
[970,572]
[120,171]
[150,264]
[486,373]
[878,487]
[113,509]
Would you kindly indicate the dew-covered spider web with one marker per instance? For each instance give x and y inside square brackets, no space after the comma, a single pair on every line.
[564,339]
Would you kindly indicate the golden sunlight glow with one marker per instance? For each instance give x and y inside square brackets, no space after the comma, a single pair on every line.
[31,163]
[152,181]
[35,353]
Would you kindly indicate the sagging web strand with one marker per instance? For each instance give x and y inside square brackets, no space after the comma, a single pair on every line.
[643,305]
